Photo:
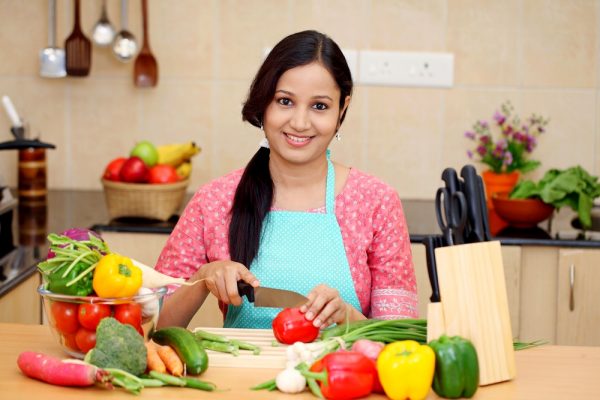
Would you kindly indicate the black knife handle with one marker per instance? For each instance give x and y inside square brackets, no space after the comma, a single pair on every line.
[472,194]
[245,289]
[430,245]
[450,177]
[484,210]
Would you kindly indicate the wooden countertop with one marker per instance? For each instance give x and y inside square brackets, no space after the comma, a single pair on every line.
[547,372]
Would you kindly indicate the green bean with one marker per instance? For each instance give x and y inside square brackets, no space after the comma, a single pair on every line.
[246,346]
[198,384]
[267,385]
[168,379]
[150,383]
[220,346]
[213,337]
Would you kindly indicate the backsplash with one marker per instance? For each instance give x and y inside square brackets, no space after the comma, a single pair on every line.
[542,55]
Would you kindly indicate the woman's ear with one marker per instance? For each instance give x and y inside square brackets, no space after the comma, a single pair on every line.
[343,110]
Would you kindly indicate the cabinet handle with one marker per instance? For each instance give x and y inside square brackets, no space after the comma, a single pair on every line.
[572,287]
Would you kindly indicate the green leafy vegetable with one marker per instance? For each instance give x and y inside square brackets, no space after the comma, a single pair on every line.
[69,269]
[118,346]
[573,187]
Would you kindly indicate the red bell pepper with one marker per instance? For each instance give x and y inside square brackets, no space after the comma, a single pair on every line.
[343,375]
[290,326]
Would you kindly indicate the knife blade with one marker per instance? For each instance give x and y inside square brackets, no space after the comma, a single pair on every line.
[270,297]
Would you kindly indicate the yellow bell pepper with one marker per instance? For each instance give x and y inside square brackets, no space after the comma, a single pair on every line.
[406,370]
[116,276]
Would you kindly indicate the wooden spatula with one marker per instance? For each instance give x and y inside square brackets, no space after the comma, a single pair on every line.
[145,71]
[78,49]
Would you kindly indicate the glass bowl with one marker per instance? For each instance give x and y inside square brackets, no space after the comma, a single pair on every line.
[73,319]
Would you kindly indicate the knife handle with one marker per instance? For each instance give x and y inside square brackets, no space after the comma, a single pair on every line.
[430,245]
[245,289]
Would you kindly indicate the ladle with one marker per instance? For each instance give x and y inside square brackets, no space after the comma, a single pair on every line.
[52,58]
[145,71]
[124,46]
[103,33]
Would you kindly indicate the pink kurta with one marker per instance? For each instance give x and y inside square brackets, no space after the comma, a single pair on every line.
[373,229]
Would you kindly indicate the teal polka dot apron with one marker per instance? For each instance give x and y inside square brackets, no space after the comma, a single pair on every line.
[298,251]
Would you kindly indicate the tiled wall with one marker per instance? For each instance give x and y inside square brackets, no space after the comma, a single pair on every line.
[540,54]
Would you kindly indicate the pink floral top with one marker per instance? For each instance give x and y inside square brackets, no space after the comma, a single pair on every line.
[373,230]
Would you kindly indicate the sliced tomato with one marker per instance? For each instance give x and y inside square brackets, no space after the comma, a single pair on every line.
[90,315]
[65,317]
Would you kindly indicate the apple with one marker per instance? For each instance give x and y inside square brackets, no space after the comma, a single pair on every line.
[146,151]
[134,170]
[163,173]
[113,169]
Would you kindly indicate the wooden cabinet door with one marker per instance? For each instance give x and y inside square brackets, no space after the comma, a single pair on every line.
[577,310]
[22,304]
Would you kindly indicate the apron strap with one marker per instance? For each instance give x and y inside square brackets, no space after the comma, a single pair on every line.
[330,187]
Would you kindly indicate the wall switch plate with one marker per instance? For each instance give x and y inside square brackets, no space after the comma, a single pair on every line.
[419,69]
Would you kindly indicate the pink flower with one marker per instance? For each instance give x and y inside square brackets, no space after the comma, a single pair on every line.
[499,118]
[470,135]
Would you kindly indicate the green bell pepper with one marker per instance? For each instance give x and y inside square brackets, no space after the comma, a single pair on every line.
[456,367]
[57,283]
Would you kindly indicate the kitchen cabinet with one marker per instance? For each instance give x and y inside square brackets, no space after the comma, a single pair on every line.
[22,304]
[146,248]
[548,311]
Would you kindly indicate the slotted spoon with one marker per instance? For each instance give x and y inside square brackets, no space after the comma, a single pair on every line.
[78,49]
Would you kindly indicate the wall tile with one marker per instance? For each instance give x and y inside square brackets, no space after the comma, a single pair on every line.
[484,37]
[348,28]
[245,29]
[350,150]
[103,125]
[403,139]
[410,25]
[560,43]
[179,112]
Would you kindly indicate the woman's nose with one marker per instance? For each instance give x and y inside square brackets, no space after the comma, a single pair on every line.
[300,120]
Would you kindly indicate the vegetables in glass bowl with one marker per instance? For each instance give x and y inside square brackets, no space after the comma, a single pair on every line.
[73,319]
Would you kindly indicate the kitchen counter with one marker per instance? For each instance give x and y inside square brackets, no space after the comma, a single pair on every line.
[546,372]
[70,208]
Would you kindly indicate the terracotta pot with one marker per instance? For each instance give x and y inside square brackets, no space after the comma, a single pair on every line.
[497,183]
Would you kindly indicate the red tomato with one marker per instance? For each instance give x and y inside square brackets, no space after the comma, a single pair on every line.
[163,173]
[86,340]
[89,315]
[130,313]
[290,326]
[113,169]
[65,317]
[69,341]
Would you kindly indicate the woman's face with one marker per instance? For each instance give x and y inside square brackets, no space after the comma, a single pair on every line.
[304,114]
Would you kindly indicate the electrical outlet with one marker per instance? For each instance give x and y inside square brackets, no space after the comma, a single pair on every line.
[392,68]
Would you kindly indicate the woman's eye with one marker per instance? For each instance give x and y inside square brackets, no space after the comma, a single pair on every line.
[284,101]
[320,106]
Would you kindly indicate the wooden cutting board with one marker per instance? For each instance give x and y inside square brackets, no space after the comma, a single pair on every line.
[475,305]
[270,356]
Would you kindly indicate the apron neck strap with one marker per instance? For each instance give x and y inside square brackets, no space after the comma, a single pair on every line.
[330,187]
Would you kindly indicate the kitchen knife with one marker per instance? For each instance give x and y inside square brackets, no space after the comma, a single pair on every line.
[472,194]
[484,209]
[431,243]
[269,297]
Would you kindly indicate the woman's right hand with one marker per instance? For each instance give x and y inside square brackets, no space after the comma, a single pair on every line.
[221,277]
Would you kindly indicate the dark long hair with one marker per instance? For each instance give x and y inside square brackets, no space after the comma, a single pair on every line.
[254,194]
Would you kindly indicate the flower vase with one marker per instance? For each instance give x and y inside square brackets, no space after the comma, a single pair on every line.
[496,183]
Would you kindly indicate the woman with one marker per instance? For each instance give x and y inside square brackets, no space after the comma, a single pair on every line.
[293,219]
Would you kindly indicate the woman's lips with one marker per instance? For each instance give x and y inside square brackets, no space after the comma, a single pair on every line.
[297,141]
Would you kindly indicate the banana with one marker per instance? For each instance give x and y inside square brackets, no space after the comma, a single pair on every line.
[176,154]
[184,170]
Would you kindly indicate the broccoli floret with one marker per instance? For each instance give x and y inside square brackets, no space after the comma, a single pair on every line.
[118,346]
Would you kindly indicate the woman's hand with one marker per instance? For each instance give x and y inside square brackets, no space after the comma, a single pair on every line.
[221,277]
[325,306]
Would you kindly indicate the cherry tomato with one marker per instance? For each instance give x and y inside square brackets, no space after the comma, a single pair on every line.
[69,341]
[86,340]
[290,326]
[130,313]
[89,315]
[65,317]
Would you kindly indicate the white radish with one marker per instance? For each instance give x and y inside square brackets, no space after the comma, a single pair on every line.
[151,278]
[290,380]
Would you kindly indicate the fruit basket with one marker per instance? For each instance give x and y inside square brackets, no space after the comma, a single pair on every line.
[153,201]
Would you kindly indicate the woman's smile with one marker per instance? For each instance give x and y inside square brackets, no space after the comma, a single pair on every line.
[297,141]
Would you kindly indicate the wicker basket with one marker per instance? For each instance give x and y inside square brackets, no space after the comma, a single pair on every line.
[155,201]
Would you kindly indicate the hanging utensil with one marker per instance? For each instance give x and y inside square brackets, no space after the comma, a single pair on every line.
[145,71]
[103,33]
[78,49]
[52,58]
[124,45]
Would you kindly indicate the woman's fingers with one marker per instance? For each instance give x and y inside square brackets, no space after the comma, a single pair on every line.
[324,306]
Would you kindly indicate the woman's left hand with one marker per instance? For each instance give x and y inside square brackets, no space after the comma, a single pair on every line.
[325,306]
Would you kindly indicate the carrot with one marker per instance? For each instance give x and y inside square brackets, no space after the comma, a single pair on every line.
[56,372]
[154,361]
[171,360]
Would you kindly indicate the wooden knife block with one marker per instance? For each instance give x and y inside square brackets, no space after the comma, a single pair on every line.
[475,305]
